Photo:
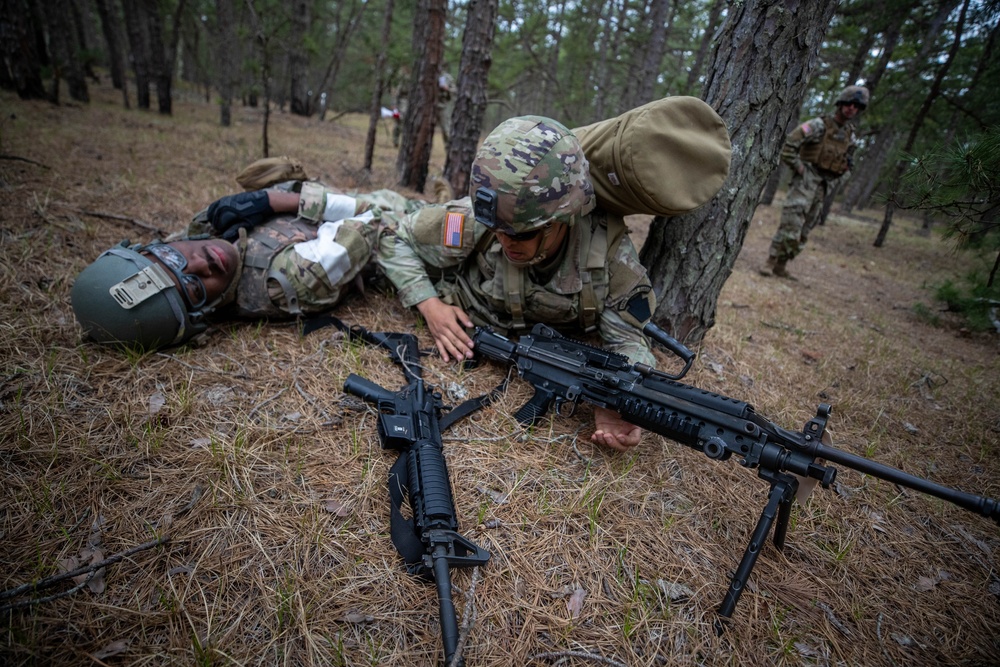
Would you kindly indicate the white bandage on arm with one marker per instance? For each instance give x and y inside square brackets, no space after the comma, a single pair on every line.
[339,207]
[325,251]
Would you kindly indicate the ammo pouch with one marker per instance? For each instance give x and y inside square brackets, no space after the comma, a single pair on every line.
[667,157]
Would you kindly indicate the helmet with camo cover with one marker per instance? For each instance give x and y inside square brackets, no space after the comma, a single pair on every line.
[857,94]
[530,171]
[127,300]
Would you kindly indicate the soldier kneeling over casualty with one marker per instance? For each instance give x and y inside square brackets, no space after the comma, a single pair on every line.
[295,248]
[529,245]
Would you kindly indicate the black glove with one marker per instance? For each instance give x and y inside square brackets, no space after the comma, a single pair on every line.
[240,211]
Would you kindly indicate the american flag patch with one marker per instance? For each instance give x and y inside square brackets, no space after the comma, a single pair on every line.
[806,128]
[454,225]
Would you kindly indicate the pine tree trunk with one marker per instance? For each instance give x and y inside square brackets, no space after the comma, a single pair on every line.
[376,107]
[471,96]
[225,40]
[298,60]
[20,49]
[135,28]
[762,63]
[116,61]
[421,112]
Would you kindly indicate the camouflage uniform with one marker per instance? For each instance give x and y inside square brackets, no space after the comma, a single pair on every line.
[470,270]
[293,265]
[823,147]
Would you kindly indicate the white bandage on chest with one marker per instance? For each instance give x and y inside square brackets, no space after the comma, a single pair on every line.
[339,207]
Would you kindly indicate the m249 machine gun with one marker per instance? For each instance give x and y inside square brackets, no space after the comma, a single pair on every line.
[565,372]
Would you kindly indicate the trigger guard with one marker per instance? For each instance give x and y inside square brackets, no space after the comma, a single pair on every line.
[562,411]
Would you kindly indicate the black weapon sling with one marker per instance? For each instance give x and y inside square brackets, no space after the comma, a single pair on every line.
[401,529]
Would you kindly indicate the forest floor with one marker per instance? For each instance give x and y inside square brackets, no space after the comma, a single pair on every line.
[257,489]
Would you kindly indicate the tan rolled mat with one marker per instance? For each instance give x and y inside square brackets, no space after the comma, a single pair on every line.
[269,171]
[667,157]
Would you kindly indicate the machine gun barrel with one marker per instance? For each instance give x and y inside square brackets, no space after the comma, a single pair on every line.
[567,371]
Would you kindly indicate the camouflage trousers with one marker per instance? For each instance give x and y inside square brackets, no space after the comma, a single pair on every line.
[799,215]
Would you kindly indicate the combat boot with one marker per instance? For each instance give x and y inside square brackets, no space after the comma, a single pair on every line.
[768,268]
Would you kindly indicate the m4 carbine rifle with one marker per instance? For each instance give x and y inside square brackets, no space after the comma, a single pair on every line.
[409,422]
[564,372]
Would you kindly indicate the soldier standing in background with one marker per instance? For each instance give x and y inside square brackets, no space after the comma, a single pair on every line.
[819,151]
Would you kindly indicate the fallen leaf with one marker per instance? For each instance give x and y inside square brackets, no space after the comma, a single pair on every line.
[575,602]
[355,618]
[674,591]
[496,496]
[292,416]
[924,584]
[114,648]
[156,403]
[336,508]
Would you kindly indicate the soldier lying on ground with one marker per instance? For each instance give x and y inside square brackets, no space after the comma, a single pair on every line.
[296,248]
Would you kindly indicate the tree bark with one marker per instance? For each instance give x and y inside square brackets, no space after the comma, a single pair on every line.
[660,21]
[761,66]
[19,49]
[471,97]
[112,38]
[298,60]
[376,108]
[64,47]
[225,41]
[421,112]
[135,29]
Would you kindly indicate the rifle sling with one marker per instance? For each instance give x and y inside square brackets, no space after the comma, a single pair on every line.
[402,531]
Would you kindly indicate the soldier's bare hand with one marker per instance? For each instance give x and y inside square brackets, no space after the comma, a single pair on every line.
[447,324]
[613,431]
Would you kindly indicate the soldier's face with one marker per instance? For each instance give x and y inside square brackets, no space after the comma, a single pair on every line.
[848,111]
[213,262]
[523,250]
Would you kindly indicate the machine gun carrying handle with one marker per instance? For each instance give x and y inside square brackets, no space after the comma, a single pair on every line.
[675,346]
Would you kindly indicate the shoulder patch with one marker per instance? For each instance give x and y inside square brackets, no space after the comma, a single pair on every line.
[454,226]
[806,128]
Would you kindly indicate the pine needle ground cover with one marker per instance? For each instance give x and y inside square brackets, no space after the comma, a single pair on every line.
[238,496]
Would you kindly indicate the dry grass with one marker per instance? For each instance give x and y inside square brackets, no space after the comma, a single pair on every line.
[270,484]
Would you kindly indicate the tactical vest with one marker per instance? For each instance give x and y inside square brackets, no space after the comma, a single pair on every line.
[830,153]
[263,243]
[591,242]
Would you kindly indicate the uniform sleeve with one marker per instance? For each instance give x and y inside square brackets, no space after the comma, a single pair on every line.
[809,132]
[415,251]
[630,303]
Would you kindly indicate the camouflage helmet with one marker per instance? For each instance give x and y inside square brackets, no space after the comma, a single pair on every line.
[530,171]
[127,300]
[857,94]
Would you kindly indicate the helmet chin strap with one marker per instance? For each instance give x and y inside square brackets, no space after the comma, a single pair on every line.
[540,253]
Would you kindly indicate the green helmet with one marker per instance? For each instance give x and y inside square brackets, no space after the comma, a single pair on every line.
[530,171]
[858,94]
[125,299]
